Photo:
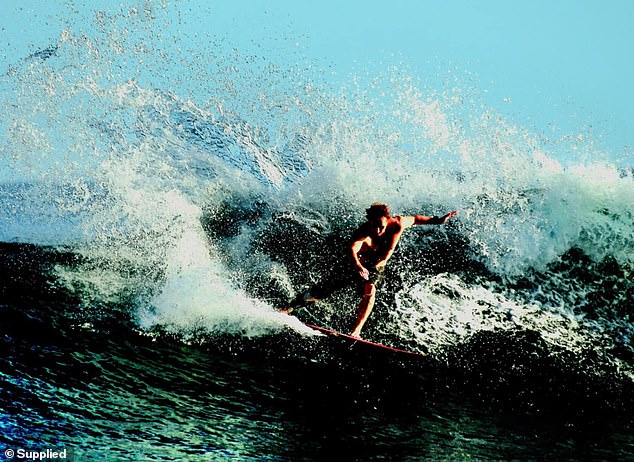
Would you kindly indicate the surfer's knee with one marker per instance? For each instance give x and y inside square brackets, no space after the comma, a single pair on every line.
[369,290]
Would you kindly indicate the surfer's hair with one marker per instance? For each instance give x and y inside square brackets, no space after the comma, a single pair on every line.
[376,211]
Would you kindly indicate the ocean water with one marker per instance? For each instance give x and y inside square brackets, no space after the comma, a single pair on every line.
[163,203]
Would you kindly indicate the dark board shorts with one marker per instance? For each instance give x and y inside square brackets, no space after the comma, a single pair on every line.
[351,277]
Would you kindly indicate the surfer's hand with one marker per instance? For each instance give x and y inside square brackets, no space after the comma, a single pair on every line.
[449,215]
[364,273]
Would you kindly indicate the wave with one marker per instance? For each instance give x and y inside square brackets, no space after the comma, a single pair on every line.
[204,201]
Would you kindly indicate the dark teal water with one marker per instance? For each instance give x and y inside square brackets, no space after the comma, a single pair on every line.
[111,393]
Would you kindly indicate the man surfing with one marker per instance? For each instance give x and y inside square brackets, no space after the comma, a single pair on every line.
[372,245]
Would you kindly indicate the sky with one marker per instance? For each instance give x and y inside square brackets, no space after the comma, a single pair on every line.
[551,63]
[563,66]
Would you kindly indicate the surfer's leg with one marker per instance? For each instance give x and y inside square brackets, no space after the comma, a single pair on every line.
[333,283]
[365,308]
[301,300]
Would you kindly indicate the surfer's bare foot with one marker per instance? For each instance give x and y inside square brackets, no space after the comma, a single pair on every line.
[309,298]
[356,334]
[302,300]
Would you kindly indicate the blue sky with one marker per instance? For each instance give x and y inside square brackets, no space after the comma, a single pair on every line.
[565,64]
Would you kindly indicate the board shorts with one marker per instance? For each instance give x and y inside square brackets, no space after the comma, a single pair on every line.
[340,281]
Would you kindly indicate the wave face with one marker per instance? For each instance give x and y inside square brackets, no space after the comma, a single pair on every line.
[202,189]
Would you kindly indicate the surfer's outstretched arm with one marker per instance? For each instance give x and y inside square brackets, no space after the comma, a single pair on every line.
[413,220]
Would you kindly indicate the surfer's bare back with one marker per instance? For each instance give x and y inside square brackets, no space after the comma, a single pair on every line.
[372,245]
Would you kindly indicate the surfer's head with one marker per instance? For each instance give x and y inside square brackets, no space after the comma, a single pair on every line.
[378,215]
[377,210]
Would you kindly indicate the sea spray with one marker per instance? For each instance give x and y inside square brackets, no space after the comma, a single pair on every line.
[203,199]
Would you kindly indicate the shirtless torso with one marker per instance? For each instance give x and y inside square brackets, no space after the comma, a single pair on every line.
[374,242]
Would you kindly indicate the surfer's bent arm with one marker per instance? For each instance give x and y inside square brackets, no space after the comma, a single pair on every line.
[356,248]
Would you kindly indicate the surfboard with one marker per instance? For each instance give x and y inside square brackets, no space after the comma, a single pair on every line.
[354,342]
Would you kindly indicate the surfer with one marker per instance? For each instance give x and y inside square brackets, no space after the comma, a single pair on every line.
[372,245]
